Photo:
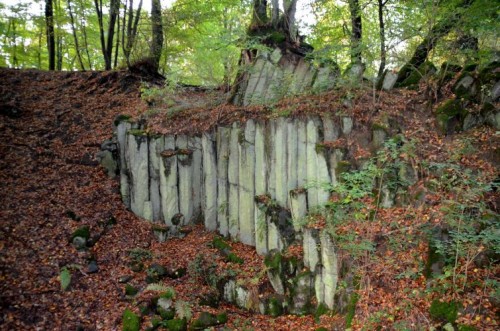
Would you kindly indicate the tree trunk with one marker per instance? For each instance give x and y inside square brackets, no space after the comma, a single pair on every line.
[113,14]
[357,31]
[157,32]
[117,47]
[75,37]
[259,13]
[59,53]
[131,24]
[107,47]
[383,51]
[98,9]
[51,44]
[439,30]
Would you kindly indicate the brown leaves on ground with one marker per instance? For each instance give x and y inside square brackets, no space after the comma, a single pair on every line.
[51,127]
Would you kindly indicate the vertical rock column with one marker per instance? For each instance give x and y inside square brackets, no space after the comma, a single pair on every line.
[169,186]
[210,181]
[185,181]
[155,148]
[121,136]
[223,135]
[137,159]
[260,188]
[246,176]
[329,270]
[197,187]
[273,238]
[233,179]
[317,168]
[280,152]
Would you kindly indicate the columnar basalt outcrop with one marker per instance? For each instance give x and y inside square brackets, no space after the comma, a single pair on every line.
[278,73]
[251,182]
[217,175]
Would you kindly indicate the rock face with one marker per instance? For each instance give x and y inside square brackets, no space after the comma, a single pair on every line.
[252,182]
[274,75]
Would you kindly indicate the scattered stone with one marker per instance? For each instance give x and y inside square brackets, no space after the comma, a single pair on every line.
[211,299]
[83,232]
[92,267]
[175,273]
[206,320]
[125,279]
[79,243]
[390,79]
[155,272]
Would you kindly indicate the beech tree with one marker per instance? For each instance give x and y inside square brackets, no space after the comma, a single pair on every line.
[107,43]
[157,32]
[51,44]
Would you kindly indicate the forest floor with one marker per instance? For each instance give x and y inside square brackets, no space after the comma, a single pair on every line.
[51,127]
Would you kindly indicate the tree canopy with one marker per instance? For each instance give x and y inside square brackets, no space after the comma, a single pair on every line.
[199,42]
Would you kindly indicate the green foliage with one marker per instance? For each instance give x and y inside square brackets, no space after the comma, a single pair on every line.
[83,232]
[130,321]
[233,258]
[130,290]
[140,255]
[176,324]
[471,226]
[444,311]
[351,309]
[183,310]
[65,278]
[321,310]
[220,244]
[169,293]
[204,270]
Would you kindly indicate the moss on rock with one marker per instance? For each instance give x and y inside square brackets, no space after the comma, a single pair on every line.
[83,232]
[130,321]
[449,114]
[444,311]
[176,324]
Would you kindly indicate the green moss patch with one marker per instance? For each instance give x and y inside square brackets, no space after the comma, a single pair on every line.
[130,321]
[83,232]
[444,311]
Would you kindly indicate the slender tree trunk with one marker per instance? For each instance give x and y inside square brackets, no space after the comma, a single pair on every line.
[75,37]
[275,13]
[85,38]
[117,48]
[51,44]
[157,32]
[129,35]
[357,31]
[59,53]
[383,51]
[98,8]
[113,14]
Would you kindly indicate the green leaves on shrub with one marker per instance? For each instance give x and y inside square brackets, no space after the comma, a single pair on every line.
[65,278]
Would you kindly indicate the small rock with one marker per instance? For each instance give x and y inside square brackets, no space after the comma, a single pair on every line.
[164,303]
[176,273]
[125,279]
[79,243]
[92,268]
